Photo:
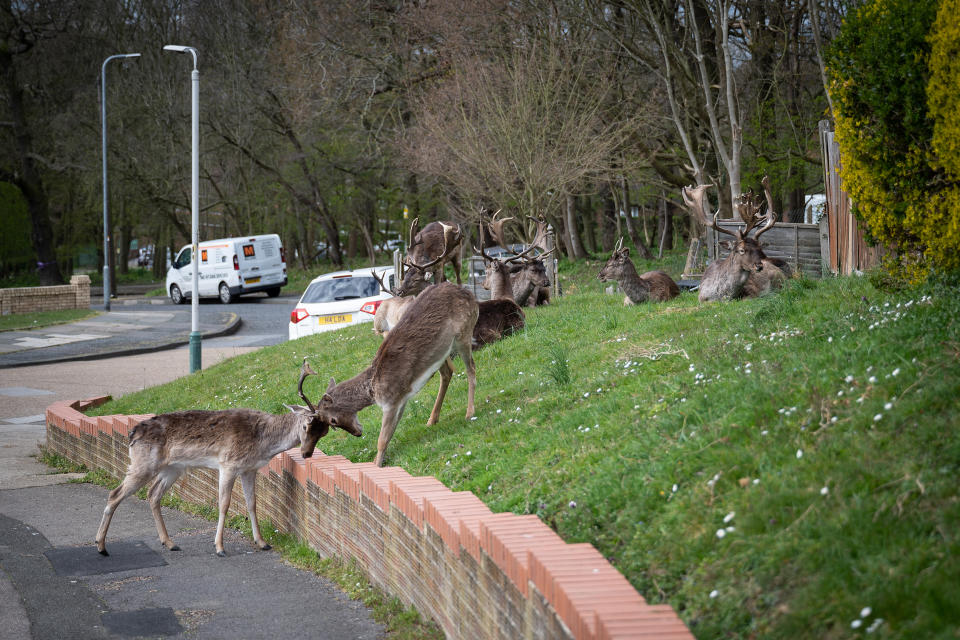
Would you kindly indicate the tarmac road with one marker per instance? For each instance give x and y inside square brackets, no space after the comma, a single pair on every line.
[47,526]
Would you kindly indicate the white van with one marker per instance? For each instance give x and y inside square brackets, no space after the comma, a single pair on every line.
[229,268]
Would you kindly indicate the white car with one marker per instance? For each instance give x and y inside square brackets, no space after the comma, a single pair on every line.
[340,299]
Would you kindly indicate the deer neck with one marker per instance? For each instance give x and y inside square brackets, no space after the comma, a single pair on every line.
[522,288]
[635,287]
[356,393]
[502,287]
[284,435]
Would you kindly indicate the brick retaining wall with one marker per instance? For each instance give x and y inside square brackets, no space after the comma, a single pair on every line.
[75,295]
[479,574]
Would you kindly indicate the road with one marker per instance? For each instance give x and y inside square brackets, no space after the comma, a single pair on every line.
[186,596]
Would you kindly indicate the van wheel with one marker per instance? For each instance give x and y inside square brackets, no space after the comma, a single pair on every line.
[225,296]
[273,293]
[175,294]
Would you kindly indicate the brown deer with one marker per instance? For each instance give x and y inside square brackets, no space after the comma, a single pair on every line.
[497,318]
[440,239]
[653,286]
[390,310]
[439,324]
[727,278]
[505,279]
[237,442]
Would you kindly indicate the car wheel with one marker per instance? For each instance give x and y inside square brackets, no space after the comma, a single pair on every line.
[225,296]
[175,294]
[273,293]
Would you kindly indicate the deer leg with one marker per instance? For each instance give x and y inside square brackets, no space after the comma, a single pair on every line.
[248,479]
[391,416]
[164,481]
[130,485]
[466,354]
[227,477]
[446,372]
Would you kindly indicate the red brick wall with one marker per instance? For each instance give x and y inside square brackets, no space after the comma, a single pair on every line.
[478,574]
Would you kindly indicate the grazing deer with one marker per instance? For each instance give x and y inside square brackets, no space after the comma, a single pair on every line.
[237,442]
[726,279]
[440,239]
[653,286]
[439,324]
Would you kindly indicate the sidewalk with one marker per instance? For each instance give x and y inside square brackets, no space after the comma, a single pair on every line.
[121,331]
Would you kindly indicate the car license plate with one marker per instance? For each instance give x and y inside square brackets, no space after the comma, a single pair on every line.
[345,317]
[252,280]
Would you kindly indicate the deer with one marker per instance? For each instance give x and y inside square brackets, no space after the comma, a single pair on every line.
[727,278]
[390,310]
[436,326]
[519,282]
[237,442]
[440,239]
[652,286]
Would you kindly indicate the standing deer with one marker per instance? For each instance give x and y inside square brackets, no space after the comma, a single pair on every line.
[390,310]
[439,324]
[653,286]
[440,239]
[727,278]
[237,442]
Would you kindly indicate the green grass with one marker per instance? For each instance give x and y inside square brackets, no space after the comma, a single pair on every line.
[823,418]
[38,319]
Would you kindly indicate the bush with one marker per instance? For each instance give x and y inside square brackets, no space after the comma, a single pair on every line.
[894,73]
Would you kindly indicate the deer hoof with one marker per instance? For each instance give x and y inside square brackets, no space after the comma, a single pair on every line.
[265,547]
[175,547]
[221,554]
[103,552]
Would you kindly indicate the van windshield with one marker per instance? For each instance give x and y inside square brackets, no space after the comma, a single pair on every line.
[341,289]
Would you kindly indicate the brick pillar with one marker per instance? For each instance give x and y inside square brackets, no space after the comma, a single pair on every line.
[81,287]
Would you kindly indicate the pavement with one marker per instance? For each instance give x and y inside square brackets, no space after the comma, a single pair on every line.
[53,583]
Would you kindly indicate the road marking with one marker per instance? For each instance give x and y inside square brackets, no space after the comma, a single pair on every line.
[40,419]
[53,339]
[20,392]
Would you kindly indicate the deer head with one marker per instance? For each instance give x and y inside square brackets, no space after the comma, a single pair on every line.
[616,266]
[421,271]
[315,423]
[746,252]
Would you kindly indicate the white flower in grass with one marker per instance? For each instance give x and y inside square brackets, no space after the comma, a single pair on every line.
[895,372]
[888,406]
[830,339]
[674,489]
[799,453]
[730,529]
[730,516]
[756,481]
[872,380]
[875,625]
[865,612]
[833,420]
[573,504]
[721,533]
[878,417]
[856,624]
[840,393]
[848,379]
[469,453]
[824,491]
[499,410]
[714,593]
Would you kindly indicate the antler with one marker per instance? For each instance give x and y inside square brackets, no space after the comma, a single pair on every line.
[496,228]
[383,286]
[749,209]
[694,198]
[449,230]
[619,245]
[482,249]
[414,228]
[305,370]
[771,216]
[540,235]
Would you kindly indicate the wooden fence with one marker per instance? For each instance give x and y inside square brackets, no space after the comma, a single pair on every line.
[847,252]
[802,245]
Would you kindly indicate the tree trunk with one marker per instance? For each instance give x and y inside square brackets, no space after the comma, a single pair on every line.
[575,245]
[608,222]
[642,248]
[28,179]
[664,228]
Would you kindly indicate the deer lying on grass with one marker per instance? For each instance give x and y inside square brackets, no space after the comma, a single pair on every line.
[236,441]
[653,286]
[505,279]
[437,325]
[440,239]
[728,278]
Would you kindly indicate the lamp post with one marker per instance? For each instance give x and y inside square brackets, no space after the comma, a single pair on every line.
[194,205]
[106,214]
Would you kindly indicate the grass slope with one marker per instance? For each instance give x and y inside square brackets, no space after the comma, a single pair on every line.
[771,468]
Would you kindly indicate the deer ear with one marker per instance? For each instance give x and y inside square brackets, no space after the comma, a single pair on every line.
[332,384]
[725,244]
[625,252]
[326,400]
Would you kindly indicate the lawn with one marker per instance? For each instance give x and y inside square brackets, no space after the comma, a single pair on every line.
[775,468]
[38,319]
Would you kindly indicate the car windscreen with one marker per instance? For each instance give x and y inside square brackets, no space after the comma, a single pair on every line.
[341,289]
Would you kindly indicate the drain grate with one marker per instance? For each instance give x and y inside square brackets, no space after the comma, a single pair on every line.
[144,622]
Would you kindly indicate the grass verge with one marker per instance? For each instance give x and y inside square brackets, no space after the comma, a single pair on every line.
[39,319]
[779,468]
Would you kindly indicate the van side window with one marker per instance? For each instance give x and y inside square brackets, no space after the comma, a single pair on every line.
[183,258]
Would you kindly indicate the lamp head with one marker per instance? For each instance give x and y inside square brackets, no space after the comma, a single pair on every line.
[178,48]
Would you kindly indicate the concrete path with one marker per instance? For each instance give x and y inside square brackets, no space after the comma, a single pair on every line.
[192,594]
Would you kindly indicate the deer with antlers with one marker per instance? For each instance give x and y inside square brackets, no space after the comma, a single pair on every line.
[435,327]
[237,442]
[728,278]
[440,239]
[653,286]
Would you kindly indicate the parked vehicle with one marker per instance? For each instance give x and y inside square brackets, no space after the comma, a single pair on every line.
[340,299]
[230,267]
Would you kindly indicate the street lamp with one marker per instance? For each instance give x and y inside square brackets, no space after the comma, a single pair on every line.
[106,214]
[194,205]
